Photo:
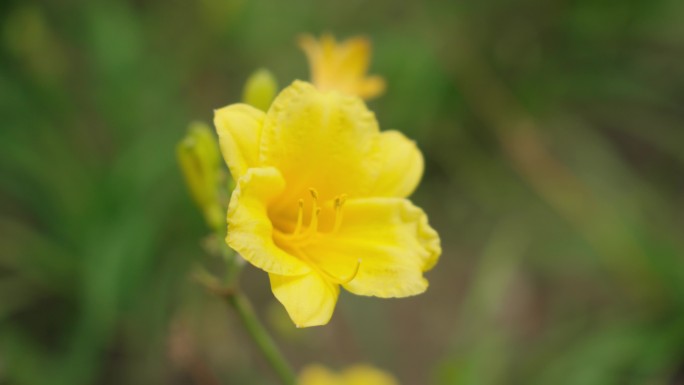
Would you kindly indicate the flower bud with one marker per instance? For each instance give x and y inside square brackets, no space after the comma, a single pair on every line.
[199,160]
[260,89]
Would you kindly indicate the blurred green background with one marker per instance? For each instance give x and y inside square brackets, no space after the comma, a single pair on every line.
[553,133]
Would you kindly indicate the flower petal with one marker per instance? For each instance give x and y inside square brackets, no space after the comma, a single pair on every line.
[250,231]
[309,299]
[239,131]
[384,244]
[402,166]
[314,54]
[354,57]
[325,141]
[371,87]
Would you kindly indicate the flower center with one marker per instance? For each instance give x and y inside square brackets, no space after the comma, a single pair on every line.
[301,236]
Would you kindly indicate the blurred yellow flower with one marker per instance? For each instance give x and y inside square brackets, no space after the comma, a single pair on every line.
[198,157]
[342,66]
[355,375]
[320,201]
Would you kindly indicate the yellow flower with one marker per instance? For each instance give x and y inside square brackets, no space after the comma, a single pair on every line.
[320,201]
[342,67]
[355,375]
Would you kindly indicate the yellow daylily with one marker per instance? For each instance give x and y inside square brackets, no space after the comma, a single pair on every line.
[342,67]
[320,201]
[355,375]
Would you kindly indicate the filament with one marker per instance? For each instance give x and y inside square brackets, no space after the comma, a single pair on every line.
[339,203]
[299,238]
[303,234]
[300,217]
[330,277]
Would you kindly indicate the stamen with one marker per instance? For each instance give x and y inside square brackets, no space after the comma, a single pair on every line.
[313,225]
[315,211]
[300,217]
[344,281]
[339,203]
[304,236]
[327,275]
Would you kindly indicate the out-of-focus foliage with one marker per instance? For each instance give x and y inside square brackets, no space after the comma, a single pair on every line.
[554,143]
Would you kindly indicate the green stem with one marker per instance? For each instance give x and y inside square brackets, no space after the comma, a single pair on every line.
[261,338]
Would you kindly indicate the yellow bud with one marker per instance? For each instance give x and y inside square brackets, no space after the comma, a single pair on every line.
[260,89]
[315,374]
[199,160]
